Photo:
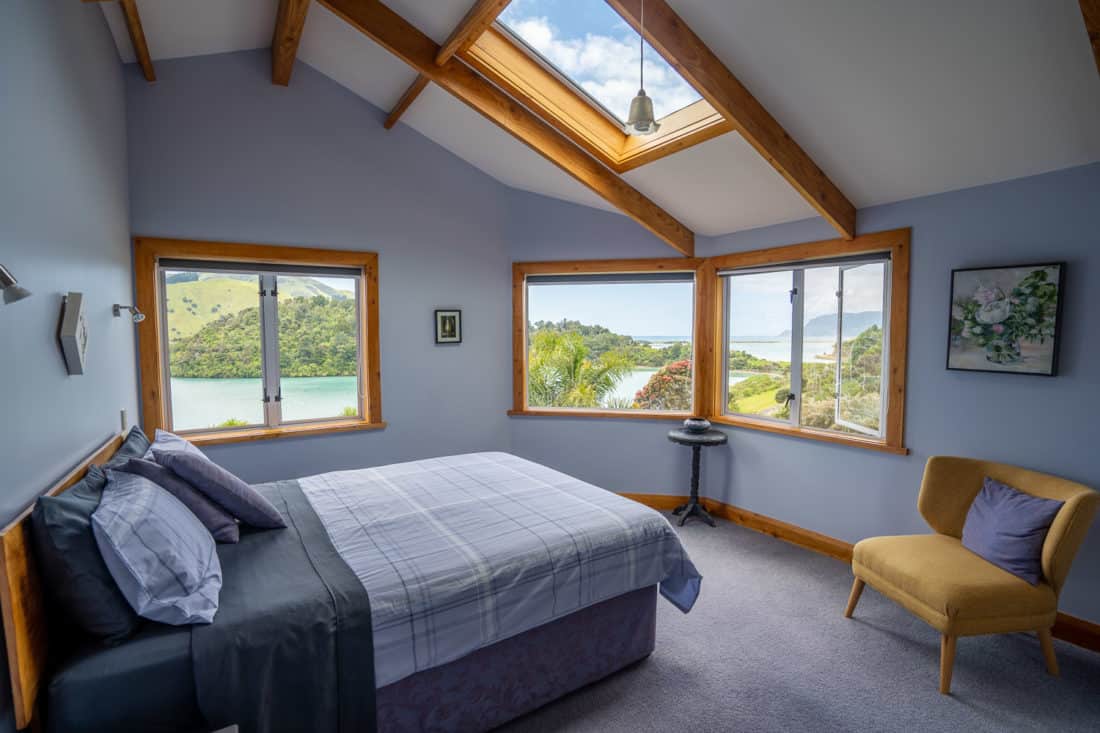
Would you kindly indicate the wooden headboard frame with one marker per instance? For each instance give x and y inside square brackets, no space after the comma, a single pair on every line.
[22,602]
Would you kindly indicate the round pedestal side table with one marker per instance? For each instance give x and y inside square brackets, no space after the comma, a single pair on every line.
[697,441]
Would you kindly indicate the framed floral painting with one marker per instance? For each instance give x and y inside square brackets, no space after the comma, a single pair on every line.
[1006,319]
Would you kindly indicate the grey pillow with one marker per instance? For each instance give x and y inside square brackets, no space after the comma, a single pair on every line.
[222,488]
[220,523]
[162,558]
[75,574]
[169,441]
[135,446]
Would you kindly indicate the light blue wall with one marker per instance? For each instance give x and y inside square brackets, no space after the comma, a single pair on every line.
[64,225]
[850,493]
[217,152]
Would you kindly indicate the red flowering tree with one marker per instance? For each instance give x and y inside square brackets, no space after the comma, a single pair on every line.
[668,389]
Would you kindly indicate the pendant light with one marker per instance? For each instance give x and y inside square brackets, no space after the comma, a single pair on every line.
[640,120]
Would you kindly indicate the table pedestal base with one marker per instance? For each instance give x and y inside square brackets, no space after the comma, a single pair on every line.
[693,509]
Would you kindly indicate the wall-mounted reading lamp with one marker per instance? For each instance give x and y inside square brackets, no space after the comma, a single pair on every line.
[135,314]
[13,291]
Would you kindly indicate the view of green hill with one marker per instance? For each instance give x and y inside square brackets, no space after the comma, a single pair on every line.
[317,338]
[195,299]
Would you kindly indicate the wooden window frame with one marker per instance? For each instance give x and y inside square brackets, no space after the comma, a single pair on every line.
[709,328]
[149,251]
[520,272]
[527,77]
[894,242]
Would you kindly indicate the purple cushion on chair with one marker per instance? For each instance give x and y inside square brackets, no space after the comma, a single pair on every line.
[1008,527]
[220,522]
[222,488]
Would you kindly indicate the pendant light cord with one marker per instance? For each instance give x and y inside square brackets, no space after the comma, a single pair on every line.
[641,50]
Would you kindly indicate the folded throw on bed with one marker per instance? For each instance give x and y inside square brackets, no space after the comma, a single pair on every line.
[290,648]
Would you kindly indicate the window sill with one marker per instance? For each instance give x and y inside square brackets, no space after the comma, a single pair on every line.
[771,427]
[613,414]
[286,431]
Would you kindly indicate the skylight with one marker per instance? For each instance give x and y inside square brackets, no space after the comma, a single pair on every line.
[594,48]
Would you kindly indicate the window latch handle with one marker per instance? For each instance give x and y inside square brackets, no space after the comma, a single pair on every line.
[794,294]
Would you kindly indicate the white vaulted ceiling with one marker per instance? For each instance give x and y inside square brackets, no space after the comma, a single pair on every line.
[893,99]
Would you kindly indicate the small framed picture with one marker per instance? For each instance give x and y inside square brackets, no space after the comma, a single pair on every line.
[448,326]
[1006,319]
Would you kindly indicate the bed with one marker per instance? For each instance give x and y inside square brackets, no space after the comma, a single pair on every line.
[496,585]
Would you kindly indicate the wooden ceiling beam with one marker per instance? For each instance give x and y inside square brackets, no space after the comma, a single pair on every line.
[476,22]
[418,85]
[684,50]
[289,23]
[1090,9]
[399,37]
[137,36]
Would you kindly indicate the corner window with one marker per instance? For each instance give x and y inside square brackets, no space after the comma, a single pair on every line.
[245,347]
[806,344]
[610,343]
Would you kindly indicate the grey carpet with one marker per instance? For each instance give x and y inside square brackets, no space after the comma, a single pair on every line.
[766,648]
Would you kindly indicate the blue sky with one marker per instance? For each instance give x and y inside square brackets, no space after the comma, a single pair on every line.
[649,309]
[760,303]
[588,42]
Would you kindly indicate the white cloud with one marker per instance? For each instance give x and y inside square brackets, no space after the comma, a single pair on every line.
[607,67]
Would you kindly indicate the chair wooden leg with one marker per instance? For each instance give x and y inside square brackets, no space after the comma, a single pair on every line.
[1047,644]
[853,599]
[947,662]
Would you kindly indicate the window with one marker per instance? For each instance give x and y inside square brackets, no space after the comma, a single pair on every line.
[577,68]
[812,339]
[618,343]
[807,340]
[256,341]
[593,48]
[806,345]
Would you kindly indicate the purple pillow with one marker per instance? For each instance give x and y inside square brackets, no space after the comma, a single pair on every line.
[220,523]
[170,441]
[1008,527]
[222,488]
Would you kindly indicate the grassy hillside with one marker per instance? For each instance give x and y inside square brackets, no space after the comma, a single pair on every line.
[194,303]
[317,338]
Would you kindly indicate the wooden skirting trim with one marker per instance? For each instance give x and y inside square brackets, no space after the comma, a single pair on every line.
[1077,631]
[1068,628]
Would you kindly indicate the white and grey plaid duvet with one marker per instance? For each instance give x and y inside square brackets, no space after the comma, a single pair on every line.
[457,553]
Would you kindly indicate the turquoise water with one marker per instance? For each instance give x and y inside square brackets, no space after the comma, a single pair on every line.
[205,403]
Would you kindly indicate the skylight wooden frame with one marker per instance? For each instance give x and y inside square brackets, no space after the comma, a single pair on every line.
[152,357]
[526,76]
[382,25]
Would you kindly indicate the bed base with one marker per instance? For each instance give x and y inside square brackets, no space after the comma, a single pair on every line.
[515,676]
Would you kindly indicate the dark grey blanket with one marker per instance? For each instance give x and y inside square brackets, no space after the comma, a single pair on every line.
[291,647]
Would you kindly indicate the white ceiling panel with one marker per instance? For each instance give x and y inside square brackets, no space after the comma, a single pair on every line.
[720,186]
[176,28]
[896,99]
[351,59]
[440,117]
[437,18]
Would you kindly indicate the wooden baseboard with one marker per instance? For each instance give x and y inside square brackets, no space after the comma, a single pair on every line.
[1068,628]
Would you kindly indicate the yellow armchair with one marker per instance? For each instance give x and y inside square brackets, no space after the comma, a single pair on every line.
[957,592]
